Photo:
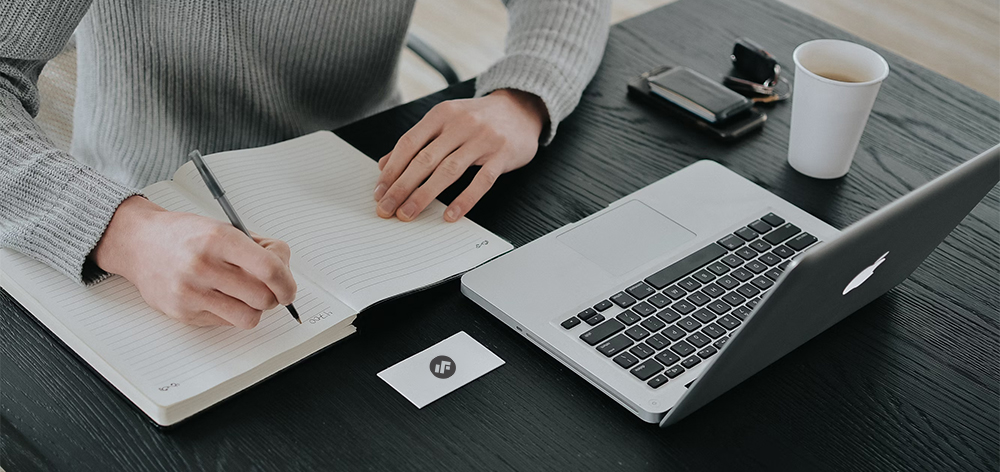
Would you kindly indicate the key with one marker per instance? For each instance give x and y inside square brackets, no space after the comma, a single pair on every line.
[773,274]
[586,314]
[772,219]
[801,241]
[729,322]
[642,351]
[769,259]
[602,332]
[673,333]
[689,324]
[691,362]
[703,276]
[668,315]
[602,305]
[698,339]
[727,282]
[742,274]
[783,252]
[640,291]
[746,233]
[689,284]
[734,299]
[682,348]
[653,324]
[732,261]
[643,309]
[748,291]
[674,371]
[657,381]
[685,266]
[712,290]
[698,298]
[712,330]
[781,233]
[746,253]
[731,242]
[626,360]
[720,342]
[570,322]
[594,320]
[683,307]
[623,299]
[703,315]
[659,300]
[760,226]
[753,302]
[614,345]
[784,265]
[657,342]
[762,283]
[628,317]
[707,352]
[718,268]
[667,358]
[742,312]
[647,369]
[756,267]
[719,307]
[637,332]
[760,245]
[675,292]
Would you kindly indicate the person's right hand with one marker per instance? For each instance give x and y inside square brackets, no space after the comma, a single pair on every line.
[195,269]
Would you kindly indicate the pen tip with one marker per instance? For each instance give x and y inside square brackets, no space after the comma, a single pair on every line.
[300,321]
[294,312]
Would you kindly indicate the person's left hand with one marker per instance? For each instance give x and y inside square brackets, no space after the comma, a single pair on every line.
[498,132]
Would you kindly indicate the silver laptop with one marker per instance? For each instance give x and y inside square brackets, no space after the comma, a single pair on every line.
[678,292]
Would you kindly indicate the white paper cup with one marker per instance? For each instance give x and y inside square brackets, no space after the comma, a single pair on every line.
[835,87]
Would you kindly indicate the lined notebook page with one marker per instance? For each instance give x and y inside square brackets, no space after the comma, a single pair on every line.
[166,360]
[315,193]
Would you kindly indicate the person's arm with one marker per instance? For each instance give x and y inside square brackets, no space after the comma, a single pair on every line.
[71,217]
[553,49]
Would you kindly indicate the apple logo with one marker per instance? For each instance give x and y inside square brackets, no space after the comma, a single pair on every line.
[864,274]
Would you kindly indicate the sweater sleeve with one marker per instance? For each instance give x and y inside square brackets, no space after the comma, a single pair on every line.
[553,49]
[52,208]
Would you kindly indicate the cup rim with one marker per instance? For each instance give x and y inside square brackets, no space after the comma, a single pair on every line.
[800,67]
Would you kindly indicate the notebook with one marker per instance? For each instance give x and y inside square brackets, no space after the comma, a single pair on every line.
[313,192]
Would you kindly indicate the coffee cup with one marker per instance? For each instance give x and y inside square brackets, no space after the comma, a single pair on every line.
[835,87]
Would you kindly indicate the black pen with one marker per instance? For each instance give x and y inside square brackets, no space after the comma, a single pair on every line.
[220,196]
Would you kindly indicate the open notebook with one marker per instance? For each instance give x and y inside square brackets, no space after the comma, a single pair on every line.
[314,192]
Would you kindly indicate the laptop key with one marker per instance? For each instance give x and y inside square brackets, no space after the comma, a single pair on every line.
[713,330]
[760,226]
[628,317]
[769,259]
[731,242]
[570,322]
[682,348]
[691,362]
[782,233]
[653,324]
[703,315]
[674,371]
[647,369]
[657,341]
[727,282]
[642,351]
[623,299]
[756,267]
[746,253]
[732,261]
[674,292]
[713,290]
[667,358]
[683,307]
[689,324]
[707,352]
[760,245]
[643,309]
[783,252]
[720,342]
[626,360]
[746,233]
[801,241]
[657,380]
[719,307]
[734,299]
[762,282]
[698,298]
[689,284]
[772,219]
[698,339]
[742,312]
[668,315]
[729,322]
[704,276]
[614,345]
[718,268]
[637,333]
[602,305]
[640,290]
[748,291]
[602,332]
[742,274]
[753,303]
[784,265]
[685,266]
[672,332]
[659,300]
[586,314]
[594,320]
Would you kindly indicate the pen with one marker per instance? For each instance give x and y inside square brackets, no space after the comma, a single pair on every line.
[220,196]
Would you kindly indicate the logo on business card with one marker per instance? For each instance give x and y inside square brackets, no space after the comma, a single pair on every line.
[442,367]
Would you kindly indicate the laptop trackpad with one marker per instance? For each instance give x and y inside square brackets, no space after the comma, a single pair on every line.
[625,238]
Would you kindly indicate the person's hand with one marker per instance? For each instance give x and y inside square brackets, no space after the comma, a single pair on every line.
[498,132]
[195,269]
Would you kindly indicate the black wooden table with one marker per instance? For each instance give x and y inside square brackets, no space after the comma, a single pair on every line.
[910,382]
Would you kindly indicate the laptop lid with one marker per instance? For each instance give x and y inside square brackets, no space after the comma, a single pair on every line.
[840,276]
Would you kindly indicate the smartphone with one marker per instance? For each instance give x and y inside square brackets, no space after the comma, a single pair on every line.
[732,118]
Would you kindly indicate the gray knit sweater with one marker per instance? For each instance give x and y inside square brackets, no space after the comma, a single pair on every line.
[158,78]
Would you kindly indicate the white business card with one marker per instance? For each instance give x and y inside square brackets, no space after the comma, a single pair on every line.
[440,369]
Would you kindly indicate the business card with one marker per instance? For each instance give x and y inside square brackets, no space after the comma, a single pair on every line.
[440,369]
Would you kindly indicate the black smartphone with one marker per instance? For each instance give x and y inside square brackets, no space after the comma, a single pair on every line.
[732,118]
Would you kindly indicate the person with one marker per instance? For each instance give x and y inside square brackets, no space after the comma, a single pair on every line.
[159,78]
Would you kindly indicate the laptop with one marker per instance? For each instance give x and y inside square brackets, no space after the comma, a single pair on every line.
[680,291]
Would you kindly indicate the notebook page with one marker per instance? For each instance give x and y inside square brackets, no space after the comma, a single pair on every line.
[164,359]
[315,193]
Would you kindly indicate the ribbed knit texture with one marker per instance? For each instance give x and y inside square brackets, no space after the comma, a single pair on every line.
[159,78]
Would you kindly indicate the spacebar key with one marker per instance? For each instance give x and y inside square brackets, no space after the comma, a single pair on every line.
[602,331]
[685,266]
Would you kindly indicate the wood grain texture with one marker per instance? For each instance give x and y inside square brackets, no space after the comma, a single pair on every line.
[909,382]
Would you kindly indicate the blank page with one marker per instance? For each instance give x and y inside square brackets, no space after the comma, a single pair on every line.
[315,193]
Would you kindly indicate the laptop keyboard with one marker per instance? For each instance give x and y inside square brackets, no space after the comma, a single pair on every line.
[684,313]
